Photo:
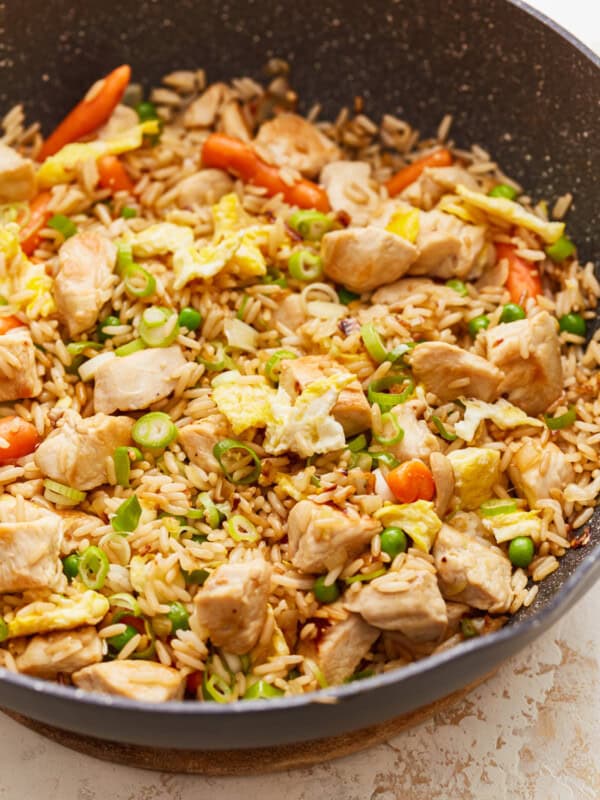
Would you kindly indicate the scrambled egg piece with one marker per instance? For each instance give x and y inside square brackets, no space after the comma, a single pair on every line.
[138,572]
[164,237]
[476,471]
[502,413]
[519,523]
[405,224]
[69,612]
[244,400]
[418,519]
[297,486]
[21,279]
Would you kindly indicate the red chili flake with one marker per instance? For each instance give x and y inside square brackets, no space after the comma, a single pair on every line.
[583,538]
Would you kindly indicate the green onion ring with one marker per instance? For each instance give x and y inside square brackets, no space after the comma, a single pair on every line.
[387,401]
[443,431]
[154,430]
[563,421]
[493,508]
[272,367]
[224,446]
[93,567]
[399,432]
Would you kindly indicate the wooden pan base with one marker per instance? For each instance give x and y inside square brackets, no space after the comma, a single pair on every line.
[253,761]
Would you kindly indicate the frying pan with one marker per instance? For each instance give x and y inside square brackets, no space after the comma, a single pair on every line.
[514,82]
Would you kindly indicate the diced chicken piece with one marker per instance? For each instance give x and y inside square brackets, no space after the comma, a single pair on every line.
[199,438]
[537,469]
[434,182]
[18,371]
[129,383]
[202,112]
[76,452]
[348,189]
[122,119]
[352,409]
[232,604]
[342,647]
[17,176]
[449,248]
[472,571]
[321,537]
[528,353]
[364,258]
[291,312]
[84,280]
[451,372]
[60,653]
[137,680]
[30,539]
[407,600]
[443,477]
[292,141]
[233,122]
[405,290]
[418,441]
[203,187]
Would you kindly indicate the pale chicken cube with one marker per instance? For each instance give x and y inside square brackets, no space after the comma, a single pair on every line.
[203,187]
[292,141]
[362,259]
[418,441]
[528,353]
[17,176]
[232,604]
[136,680]
[199,438]
[348,189]
[291,312]
[352,408]
[472,570]
[122,119]
[18,370]
[405,290]
[60,653]
[76,452]
[451,372]
[406,600]
[322,538]
[536,469]
[202,112]
[84,281]
[30,540]
[434,182]
[232,121]
[449,248]
[341,648]
[134,382]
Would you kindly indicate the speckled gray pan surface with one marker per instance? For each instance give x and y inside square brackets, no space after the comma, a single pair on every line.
[518,86]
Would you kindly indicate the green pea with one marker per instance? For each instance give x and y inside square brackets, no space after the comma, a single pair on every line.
[458,286]
[468,629]
[511,313]
[503,190]
[127,212]
[477,324]
[572,323]
[345,296]
[190,318]
[3,630]
[179,617]
[118,642]
[393,541]
[323,593]
[71,565]
[197,577]
[146,110]
[561,249]
[520,551]
[261,690]
[109,322]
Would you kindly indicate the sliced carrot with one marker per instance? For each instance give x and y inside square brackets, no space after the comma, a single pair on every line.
[8,323]
[234,155]
[409,174]
[411,481]
[524,279]
[92,112]
[18,438]
[38,217]
[113,175]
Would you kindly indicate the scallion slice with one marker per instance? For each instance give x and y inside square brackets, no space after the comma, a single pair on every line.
[4,630]
[75,349]
[387,459]
[62,495]
[93,567]
[122,458]
[345,296]
[386,401]
[63,225]
[206,510]
[495,507]
[126,603]
[305,266]
[357,444]
[311,225]
[215,688]
[138,281]
[373,343]
[363,577]
[443,431]
[154,430]
[562,421]
[131,347]
[241,529]
[124,256]
[273,365]
[398,435]
[222,360]
[228,447]
[158,327]
[128,515]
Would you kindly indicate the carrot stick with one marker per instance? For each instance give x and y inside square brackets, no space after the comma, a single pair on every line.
[18,438]
[113,175]
[523,280]
[93,111]
[409,174]
[8,323]
[38,217]
[233,155]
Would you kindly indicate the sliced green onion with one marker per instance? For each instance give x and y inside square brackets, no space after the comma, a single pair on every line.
[241,529]
[128,515]
[131,347]
[158,326]
[273,365]
[442,430]
[216,689]
[125,602]
[229,446]
[147,652]
[60,494]
[63,225]
[467,627]
[122,458]
[387,459]
[178,617]
[108,322]
[154,430]
[93,567]
[359,676]
[345,296]
[386,401]
[240,312]
[357,444]
[562,421]
[457,286]
[305,266]
[399,351]
[124,256]
[503,190]
[317,672]
[138,281]
[261,690]
[495,507]
[311,225]
[363,577]
[196,577]
[127,212]
[561,249]
[210,513]
[222,362]
[274,276]
[76,348]
[4,630]
[361,460]
[373,343]
[398,435]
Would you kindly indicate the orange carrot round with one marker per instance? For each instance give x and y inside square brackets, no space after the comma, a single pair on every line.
[18,438]
[9,323]
[92,112]
[38,217]
[411,481]
[523,279]
[113,175]
[409,174]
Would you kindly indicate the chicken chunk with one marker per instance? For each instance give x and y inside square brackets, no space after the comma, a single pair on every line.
[137,680]
[203,187]
[364,258]
[342,647]
[528,353]
[418,441]
[199,438]
[407,600]
[405,290]
[443,477]
[525,470]
[30,539]
[451,372]
[291,312]
[472,571]
[321,537]
[129,383]
[122,119]
[348,189]
[352,409]
[449,248]
[232,604]
[291,141]
[84,281]
[18,370]
[60,653]
[17,176]
[434,182]
[76,452]
[232,121]
[202,112]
